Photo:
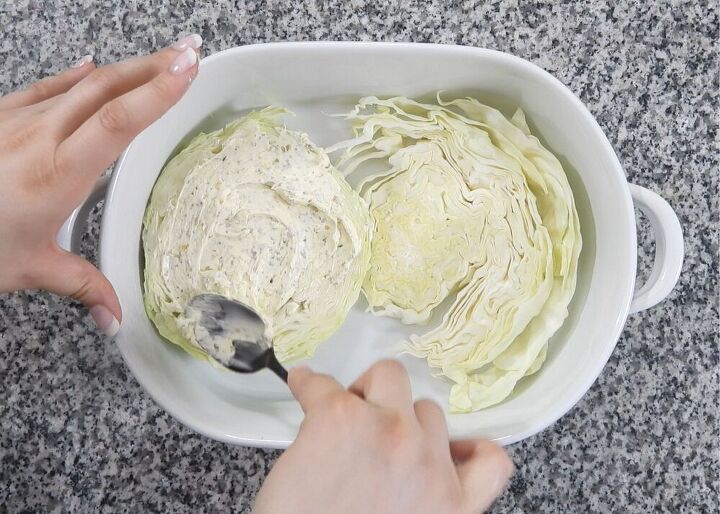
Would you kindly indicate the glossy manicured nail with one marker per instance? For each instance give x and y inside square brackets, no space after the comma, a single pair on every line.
[105,320]
[184,62]
[85,59]
[193,41]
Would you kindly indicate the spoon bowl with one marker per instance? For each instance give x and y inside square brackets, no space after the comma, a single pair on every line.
[233,334]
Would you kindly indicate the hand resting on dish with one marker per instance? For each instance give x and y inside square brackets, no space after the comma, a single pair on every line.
[56,138]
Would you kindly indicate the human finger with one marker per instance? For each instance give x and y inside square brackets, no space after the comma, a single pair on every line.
[50,86]
[386,384]
[98,141]
[109,82]
[70,275]
[431,418]
[21,115]
[312,390]
[484,469]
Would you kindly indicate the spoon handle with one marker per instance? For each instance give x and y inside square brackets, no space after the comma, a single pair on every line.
[276,367]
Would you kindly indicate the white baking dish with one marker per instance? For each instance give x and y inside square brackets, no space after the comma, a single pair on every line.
[313,80]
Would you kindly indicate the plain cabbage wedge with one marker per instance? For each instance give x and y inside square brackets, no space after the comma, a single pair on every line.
[469,206]
[257,213]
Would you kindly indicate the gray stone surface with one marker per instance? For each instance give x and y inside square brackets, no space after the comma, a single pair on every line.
[78,434]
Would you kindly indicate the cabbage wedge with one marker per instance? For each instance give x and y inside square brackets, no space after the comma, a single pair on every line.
[257,213]
[468,206]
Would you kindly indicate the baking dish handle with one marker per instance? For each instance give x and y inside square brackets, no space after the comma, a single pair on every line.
[669,249]
[68,238]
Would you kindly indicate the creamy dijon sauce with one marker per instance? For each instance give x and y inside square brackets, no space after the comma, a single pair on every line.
[266,220]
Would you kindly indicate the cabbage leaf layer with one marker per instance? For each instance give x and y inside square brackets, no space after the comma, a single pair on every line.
[469,206]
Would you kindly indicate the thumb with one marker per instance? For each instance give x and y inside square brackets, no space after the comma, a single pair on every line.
[67,274]
[483,469]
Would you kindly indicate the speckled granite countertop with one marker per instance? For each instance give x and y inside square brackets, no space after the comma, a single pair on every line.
[78,434]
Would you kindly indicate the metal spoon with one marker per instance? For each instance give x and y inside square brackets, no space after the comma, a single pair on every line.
[233,334]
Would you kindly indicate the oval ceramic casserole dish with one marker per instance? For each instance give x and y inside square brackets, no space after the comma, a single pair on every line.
[317,79]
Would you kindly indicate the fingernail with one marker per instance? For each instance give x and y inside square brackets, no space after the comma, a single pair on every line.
[85,59]
[105,320]
[184,61]
[193,41]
